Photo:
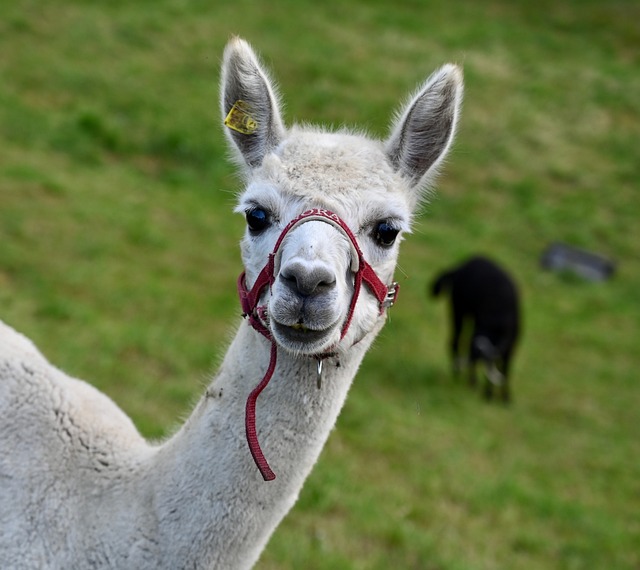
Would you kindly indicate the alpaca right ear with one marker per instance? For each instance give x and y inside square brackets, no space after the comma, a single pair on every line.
[249,104]
[424,129]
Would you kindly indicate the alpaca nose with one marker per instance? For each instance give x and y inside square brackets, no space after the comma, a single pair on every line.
[308,279]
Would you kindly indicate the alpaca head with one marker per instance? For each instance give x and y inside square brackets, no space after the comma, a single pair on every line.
[373,187]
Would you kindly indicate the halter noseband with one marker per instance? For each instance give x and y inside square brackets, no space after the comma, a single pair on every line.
[249,299]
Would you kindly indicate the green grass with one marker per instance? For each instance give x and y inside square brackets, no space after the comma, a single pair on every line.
[118,254]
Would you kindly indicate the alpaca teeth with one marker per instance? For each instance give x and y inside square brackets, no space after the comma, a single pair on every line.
[299,327]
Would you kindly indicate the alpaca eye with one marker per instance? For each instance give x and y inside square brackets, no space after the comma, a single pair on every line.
[385,234]
[257,220]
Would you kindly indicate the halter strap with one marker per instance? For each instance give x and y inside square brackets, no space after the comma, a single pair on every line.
[249,299]
[363,272]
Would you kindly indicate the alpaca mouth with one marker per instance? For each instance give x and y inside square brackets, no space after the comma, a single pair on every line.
[300,338]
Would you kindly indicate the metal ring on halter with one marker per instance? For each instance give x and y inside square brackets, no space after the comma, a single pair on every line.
[319,373]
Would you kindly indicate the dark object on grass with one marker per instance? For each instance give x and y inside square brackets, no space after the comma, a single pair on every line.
[590,266]
[485,309]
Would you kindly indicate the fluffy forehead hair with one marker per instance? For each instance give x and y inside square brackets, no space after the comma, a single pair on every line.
[340,171]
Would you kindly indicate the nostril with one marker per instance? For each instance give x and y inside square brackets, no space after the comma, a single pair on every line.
[308,280]
[289,279]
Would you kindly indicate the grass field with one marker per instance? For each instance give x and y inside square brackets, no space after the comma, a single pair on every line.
[118,254]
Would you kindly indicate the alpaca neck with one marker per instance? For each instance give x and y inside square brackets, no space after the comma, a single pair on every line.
[205,473]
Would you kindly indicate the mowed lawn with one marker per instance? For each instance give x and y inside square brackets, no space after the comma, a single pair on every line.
[118,254]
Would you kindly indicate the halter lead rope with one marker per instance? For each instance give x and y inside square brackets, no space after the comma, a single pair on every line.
[249,298]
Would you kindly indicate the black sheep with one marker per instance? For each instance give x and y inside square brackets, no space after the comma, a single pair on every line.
[484,301]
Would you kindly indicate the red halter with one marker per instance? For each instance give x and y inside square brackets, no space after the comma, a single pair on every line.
[386,296]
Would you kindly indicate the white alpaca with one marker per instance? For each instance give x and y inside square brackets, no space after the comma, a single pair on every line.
[80,488]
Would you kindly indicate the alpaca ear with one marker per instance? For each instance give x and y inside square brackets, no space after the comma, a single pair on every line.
[425,127]
[249,104]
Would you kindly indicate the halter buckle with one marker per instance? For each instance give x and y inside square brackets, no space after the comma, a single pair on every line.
[391,296]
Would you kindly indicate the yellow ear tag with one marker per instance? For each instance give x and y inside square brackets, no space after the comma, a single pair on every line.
[240,120]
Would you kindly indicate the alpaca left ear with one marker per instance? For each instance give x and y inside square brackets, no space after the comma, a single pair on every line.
[424,129]
[249,104]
